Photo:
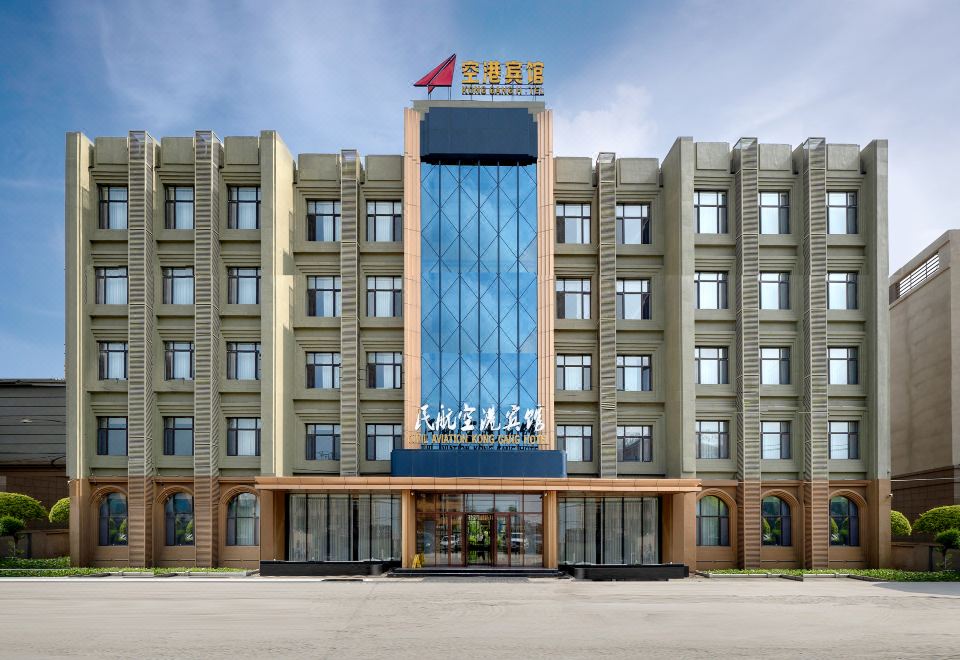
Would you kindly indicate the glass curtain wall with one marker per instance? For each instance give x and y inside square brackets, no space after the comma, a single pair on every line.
[343,527]
[609,530]
[479,285]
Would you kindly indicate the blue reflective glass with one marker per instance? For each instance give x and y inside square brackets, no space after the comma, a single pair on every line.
[479,285]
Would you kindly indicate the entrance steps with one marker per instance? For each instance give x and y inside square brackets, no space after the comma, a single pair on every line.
[473,572]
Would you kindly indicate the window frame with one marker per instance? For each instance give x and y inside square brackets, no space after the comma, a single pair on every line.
[233,356]
[782,360]
[578,214]
[316,432]
[783,435]
[108,203]
[234,206]
[720,282]
[234,429]
[722,433]
[102,275]
[104,353]
[851,289]
[107,518]
[233,509]
[642,436]
[722,516]
[396,224]
[644,219]
[782,206]
[173,348]
[577,361]
[851,436]
[372,446]
[848,518]
[236,274]
[723,364]
[377,284]
[106,424]
[171,426]
[781,519]
[176,524]
[314,293]
[316,218]
[172,205]
[582,297]
[645,298]
[850,362]
[396,363]
[171,275]
[315,368]
[722,211]
[645,368]
[851,212]
[584,436]
[780,282]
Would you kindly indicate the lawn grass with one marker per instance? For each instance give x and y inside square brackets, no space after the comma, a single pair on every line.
[885,574]
[60,567]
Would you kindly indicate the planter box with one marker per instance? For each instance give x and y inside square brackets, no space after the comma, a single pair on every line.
[633,572]
[323,568]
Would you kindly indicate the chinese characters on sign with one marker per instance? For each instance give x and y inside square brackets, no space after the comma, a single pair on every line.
[465,428]
[496,78]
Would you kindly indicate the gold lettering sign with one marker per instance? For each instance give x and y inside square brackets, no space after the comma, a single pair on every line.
[495,78]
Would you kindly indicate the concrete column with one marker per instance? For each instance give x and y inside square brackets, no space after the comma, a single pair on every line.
[411,274]
[408,528]
[812,158]
[607,367]
[546,279]
[551,529]
[208,369]
[350,372]
[748,351]
[141,400]
[680,518]
[268,540]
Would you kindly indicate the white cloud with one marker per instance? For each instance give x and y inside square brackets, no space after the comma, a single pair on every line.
[621,124]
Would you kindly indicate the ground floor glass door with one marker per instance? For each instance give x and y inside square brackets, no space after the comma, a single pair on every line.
[480,539]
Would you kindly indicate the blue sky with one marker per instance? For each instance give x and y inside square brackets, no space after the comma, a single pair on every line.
[626,77]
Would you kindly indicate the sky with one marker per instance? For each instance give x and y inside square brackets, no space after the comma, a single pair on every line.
[628,77]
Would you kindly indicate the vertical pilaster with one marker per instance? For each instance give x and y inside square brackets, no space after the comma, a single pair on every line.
[546,280]
[607,367]
[411,273]
[206,344]
[813,401]
[748,352]
[141,404]
[349,315]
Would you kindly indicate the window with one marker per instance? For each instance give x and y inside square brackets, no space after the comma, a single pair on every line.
[774,213]
[113,360]
[178,212]
[710,209]
[844,522]
[178,360]
[323,442]
[713,439]
[634,373]
[243,286]
[713,521]
[775,440]
[842,290]
[243,207]
[323,371]
[573,223]
[775,522]
[178,286]
[841,213]
[573,299]
[243,520]
[633,299]
[243,436]
[178,519]
[111,436]
[577,441]
[775,366]
[774,290]
[112,285]
[711,290]
[243,360]
[385,296]
[844,366]
[633,224]
[573,372]
[323,296]
[384,221]
[844,440]
[635,443]
[113,520]
[323,221]
[385,371]
[382,439]
[711,364]
[113,207]
[178,436]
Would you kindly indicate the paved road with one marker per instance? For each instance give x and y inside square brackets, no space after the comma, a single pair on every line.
[515,619]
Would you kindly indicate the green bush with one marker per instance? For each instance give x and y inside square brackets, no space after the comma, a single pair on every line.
[899,525]
[60,512]
[938,519]
[948,539]
[21,506]
[9,525]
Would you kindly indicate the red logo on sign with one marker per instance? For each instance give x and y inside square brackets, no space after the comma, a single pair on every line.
[441,76]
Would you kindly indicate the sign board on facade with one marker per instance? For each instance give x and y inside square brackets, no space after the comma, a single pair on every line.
[465,427]
[487,77]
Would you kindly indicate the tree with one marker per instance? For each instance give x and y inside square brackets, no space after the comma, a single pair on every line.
[21,506]
[60,512]
[899,525]
[938,519]
[11,526]
[948,539]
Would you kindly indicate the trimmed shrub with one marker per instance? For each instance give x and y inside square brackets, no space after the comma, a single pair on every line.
[899,525]
[21,506]
[60,512]
[938,519]
[10,526]
[948,539]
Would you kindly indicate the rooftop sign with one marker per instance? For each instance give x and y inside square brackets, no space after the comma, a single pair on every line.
[487,77]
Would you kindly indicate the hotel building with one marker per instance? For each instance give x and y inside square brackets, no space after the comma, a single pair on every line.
[640,362]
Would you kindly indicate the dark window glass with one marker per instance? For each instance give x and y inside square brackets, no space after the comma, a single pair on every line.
[385,370]
[634,373]
[343,527]
[323,221]
[113,207]
[844,440]
[713,439]
[844,522]
[243,207]
[111,436]
[111,285]
[113,360]
[711,290]
[385,296]
[243,520]
[775,440]
[711,364]
[243,286]
[178,360]
[113,520]
[577,442]
[385,221]
[243,360]
[635,443]
[608,530]
[633,299]
[710,210]
[713,522]
[178,213]
[243,437]
[573,299]
[774,213]
[323,296]
[178,436]
[633,224]
[775,522]
[573,223]
[178,519]
[382,439]
[573,372]
[842,213]
[178,286]
[323,442]
[323,371]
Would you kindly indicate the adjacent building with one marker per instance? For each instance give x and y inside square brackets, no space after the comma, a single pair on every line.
[476,353]
[925,378]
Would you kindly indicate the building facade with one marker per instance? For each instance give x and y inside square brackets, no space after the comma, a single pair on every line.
[925,371]
[476,353]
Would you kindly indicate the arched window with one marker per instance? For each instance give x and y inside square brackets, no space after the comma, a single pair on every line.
[113,520]
[178,518]
[775,522]
[844,522]
[243,520]
[713,521]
